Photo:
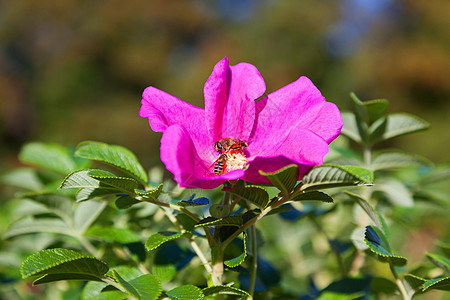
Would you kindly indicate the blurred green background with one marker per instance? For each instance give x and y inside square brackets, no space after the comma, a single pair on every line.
[75,70]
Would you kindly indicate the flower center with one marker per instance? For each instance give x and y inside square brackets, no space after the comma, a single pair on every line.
[231,155]
[235,160]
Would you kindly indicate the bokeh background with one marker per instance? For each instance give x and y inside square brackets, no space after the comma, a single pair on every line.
[74,70]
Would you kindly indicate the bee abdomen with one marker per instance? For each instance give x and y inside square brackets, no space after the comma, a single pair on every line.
[218,168]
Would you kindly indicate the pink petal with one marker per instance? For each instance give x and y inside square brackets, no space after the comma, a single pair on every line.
[181,158]
[164,110]
[230,92]
[297,105]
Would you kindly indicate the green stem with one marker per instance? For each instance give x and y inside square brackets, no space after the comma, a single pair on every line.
[254,264]
[400,284]
[114,284]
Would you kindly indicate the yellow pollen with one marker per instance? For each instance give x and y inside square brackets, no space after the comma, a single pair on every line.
[235,160]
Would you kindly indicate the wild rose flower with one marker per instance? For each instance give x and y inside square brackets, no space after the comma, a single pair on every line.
[292,125]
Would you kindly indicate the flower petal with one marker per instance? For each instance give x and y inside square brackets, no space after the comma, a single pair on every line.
[230,92]
[297,105]
[300,146]
[180,157]
[164,110]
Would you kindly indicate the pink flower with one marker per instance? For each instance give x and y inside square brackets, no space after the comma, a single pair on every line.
[292,125]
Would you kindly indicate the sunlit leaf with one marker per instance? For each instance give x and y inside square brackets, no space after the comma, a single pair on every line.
[150,194]
[157,239]
[186,292]
[113,234]
[114,155]
[284,179]
[120,183]
[414,281]
[48,156]
[236,261]
[328,176]
[224,290]
[442,283]
[255,194]
[164,273]
[62,261]
[94,290]
[400,124]
[144,287]
[440,261]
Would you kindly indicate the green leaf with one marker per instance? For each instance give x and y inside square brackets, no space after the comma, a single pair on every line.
[401,124]
[124,202]
[157,239]
[437,284]
[25,178]
[379,245]
[383,285]
[440,261]
[227,221]
[65,276]
[414,281]
[48,156]
[114,155]
[328,176]
[124,184]
[350,127]
[150,194]
[96,291]
[79,179]
[113,234]
[376,218]
[396,192]
[186,292]
[396,159]
[284,179]
[376,109]
[254,194]
[30,225]
[145,287]
[164,273]
[62,261]
[311,196]
[86,213]
[58,204]
[236,261]
[84,194]
[193,202]
[224,290]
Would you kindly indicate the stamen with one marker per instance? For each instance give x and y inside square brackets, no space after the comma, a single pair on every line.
[236,160]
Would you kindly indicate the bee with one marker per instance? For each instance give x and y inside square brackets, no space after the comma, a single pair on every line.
[220,163]
[228,144]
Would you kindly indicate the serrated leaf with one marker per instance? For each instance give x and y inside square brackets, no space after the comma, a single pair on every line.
[79,179]
[227,221]
[114,155]
[186,292]
[311,196]
[440,261]
[396,159]
[328,176]
[414,281]
[96,291]
[144,287]
[379,245]
[376,218]
[284,179]
[401,124]
[62,261]
[164,273]
[193,202]
[350,127]
[236,261]
[224,290]
[157,239]
[124,184]
[65,276]
[84,194]
[48,156]
[254,194]
[437,284]
[30,225]
[113,234]
[86,213]
[150,194]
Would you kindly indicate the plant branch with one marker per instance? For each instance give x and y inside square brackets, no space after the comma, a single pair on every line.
[254,264]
